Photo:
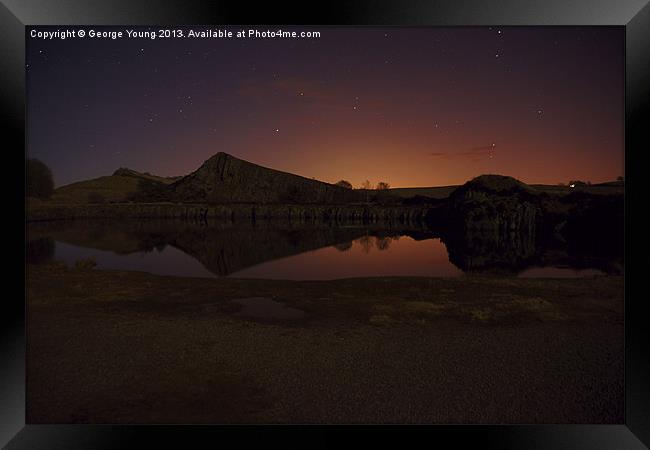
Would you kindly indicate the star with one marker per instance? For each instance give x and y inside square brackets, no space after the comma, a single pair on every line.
[277,130]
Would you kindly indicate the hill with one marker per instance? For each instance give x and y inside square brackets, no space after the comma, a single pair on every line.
[226,179]
[125,172]
[124,185]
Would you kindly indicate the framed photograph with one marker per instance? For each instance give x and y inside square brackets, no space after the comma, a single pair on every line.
[416,218]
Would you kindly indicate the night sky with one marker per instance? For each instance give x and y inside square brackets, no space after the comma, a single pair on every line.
[409,106]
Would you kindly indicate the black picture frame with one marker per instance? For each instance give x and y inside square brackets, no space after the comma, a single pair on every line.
[634,15]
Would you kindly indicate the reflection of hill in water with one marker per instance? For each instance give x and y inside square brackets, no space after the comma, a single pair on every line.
[509,252]
[221,248]
[491,250]
[228,248]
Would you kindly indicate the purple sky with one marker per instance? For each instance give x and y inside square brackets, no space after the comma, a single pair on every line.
[410,106]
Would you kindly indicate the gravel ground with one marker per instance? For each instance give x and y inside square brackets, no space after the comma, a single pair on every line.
[128,347]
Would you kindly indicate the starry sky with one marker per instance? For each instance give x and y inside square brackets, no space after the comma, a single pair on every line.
[408,106]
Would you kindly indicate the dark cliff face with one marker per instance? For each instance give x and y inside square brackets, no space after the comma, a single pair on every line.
[493,202]
[225,179]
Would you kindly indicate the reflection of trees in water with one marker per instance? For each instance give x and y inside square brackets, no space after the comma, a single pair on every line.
[344,246]
[378,239]
[382,243]
[366,243]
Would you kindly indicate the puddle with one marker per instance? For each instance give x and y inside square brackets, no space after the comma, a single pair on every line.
[266,308]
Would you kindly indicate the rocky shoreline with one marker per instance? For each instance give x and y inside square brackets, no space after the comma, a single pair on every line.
[229,212]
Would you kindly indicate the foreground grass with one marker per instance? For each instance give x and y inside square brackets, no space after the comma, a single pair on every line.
[393,299]
[112,346]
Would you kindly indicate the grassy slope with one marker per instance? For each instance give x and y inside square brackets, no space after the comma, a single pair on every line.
[113,188]
[440,192]
[603,189]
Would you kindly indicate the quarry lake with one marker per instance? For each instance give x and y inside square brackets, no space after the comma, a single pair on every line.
[299,252]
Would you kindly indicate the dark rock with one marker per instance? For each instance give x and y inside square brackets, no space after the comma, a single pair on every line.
[493,202]
[224,179]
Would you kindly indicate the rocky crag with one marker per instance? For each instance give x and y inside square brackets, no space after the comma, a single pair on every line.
[493,202]
[226,179]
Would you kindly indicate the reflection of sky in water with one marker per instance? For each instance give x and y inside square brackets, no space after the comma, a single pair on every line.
[169,261]
[364,257]
[405,257]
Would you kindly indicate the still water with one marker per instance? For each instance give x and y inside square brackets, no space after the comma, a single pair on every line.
[295,253]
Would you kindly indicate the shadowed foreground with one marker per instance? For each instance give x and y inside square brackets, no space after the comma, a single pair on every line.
[129,347]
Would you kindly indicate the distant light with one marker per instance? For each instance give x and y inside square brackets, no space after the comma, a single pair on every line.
[572,185]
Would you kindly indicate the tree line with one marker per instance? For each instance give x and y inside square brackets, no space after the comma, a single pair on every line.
[382,185]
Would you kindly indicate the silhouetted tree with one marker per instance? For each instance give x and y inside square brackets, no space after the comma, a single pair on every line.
[39,179]
[620,178]
[382,185]
[344,183]
[366,185]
